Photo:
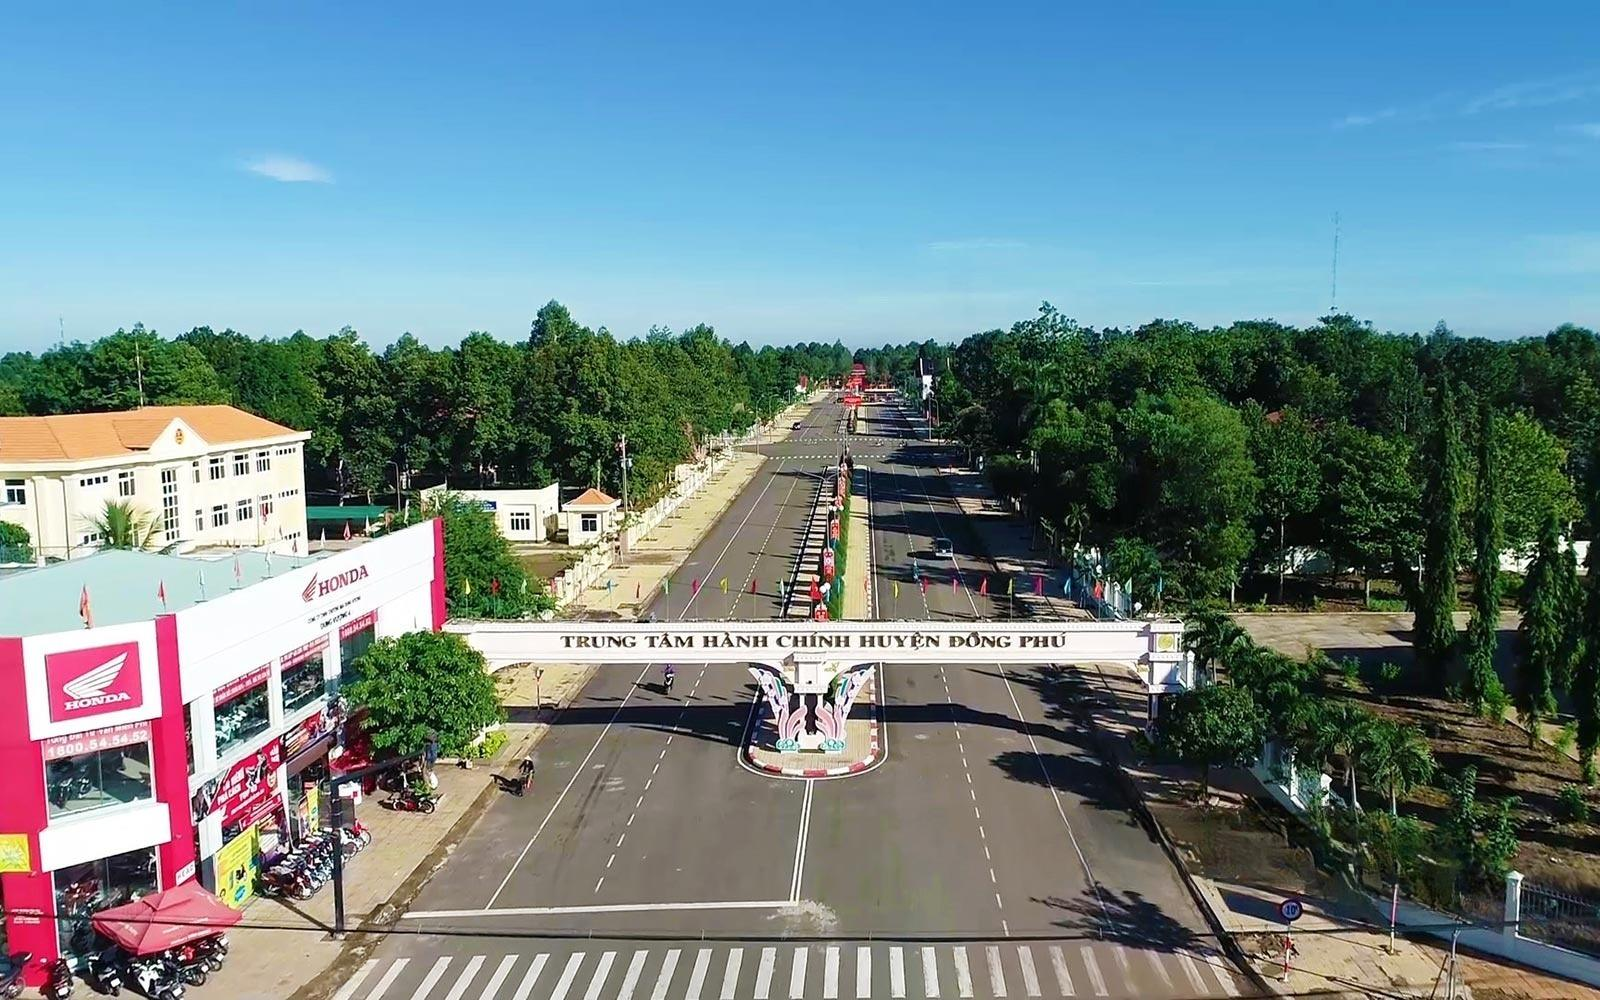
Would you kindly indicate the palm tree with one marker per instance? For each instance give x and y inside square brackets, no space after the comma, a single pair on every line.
[1398,759]
[1349,731]
[1214,638]
[121,525]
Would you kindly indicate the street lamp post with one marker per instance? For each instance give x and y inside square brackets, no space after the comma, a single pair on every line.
[336,807]
[396,485]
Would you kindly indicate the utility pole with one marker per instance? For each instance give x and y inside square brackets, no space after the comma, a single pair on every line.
[138,369]
[622,446]
[1333,303]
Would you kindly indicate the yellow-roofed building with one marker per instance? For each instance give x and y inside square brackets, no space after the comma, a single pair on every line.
[205,475]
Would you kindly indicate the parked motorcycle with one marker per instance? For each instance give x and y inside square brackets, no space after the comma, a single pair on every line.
[11,984]
[411,800]
[197,953]
[105,972]
[59,985]
[157,977]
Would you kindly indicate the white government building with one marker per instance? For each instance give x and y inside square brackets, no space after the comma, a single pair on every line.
[206,475]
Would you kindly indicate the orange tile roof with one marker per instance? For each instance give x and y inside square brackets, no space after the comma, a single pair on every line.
[590,498]
[74,437]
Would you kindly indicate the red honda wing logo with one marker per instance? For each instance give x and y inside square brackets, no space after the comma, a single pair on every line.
[94,681]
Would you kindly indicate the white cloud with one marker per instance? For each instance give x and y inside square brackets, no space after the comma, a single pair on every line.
[1490,146]
[1361,120]
[1590,129]
[980,243]
[1535,93]
[289,169]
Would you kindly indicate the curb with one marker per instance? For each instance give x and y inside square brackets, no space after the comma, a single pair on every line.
[874,752]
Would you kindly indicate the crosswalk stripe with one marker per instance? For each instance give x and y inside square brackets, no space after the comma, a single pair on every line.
[1058,962]
[1095,979]
[459,990]
[431,979]
[352,984]
[730,977]
[1189,970]
[963,973]
[525,988]
[388,979]
[930,972]
[630,979]
[1160,967]
[997,975]
[603,970]
[797,974]
[830,974]
[863,973]
[492,987]
[769,958]
[664,980]
[1030,977]
[1219,968]
[568,974]
[1122,960]
[697,977]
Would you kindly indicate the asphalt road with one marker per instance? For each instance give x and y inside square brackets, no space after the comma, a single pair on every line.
[988,856]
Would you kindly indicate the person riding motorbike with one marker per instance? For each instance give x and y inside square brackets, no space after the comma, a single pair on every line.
[669,674]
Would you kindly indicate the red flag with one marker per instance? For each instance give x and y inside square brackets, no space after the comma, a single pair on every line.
[1099,590]
[347,531]
[238,571]
[83,608]
[636,587]
[161,593]
[924,582]
[816,591]
[955,584]
[694,585]
[983,586]
[752,585]
[494,586]
[1038,585]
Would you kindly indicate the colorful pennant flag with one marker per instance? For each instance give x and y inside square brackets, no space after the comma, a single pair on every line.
[238,571]
[1038,585]
[666,587]
[983,586]
[724,585]
[161,593]
[694,585]
[1011,586]
[347,531]
[752,585]
[955,584]
[924,582]
[816,591]
[897,590]
[637,589]
[494,586]
[610,586]
[84,610]
[466,586]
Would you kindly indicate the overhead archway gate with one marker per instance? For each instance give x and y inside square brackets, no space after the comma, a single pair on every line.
[810,672]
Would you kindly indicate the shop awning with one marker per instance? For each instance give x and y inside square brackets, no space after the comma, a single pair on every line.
[165,919]
[355,512]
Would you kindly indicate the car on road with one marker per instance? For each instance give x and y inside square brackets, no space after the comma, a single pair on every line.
[942,549]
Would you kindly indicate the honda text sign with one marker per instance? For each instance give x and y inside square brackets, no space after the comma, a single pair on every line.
[84,682]
[322,586]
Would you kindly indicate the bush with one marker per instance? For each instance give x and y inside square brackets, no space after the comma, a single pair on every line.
[1495,703]
[492,743]
[1567,738]
[1393,605]
[16,545]
[1391,673]
[1571,806]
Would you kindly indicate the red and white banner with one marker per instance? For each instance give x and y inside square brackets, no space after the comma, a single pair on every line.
[127,735]
[250,789]
[306,733]
[239,685]
[296,657]
[354,625]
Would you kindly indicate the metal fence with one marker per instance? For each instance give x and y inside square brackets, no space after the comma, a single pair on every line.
[1561,918]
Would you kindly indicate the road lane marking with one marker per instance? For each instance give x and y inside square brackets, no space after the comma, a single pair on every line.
[1160,967]
[730,976]
[897,972]
[697,977]
[611,860]
[930,972]
[1095,978]
[568,974]
[431,979]
[630,979]
[548,911]
[1058,962]
[352,984]
[525,988]
[830,974]
[863,972]
[1030,976]
[664,980]
[797,974]
[1191,971]
[388,979]
[492,987]
[1219,968]
[769,957]
[459,990]
[603,970]
[997,975]
[1122,960]
[800,842]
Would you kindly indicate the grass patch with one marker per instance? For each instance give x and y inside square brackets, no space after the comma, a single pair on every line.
[836,592]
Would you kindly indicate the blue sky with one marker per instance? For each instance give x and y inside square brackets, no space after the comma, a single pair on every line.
[872,172]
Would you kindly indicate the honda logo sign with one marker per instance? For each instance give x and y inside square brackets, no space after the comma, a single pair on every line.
[322,587]
[86,682]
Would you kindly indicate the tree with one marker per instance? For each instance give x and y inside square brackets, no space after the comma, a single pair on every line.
[483,578]
[1482,684]
[1212,635]
[1370,502]
[1398,759]
[424,683]
[1586,679]
[122,525]
[1571,618]
[1218,725]
[1539,637]
[16,545]
[1435,628]
[1287,460]
[1536,484]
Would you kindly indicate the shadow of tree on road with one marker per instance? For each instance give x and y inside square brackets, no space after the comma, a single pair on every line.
[1126,917]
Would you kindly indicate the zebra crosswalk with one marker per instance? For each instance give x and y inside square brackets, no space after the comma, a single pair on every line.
[790,971]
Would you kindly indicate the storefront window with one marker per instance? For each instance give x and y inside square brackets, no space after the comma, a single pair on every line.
[302,683]
[188,734]
[83,890]
[242,711]
[98,778]
[354,638]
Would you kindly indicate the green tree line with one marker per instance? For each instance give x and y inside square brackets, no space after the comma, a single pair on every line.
[485,411]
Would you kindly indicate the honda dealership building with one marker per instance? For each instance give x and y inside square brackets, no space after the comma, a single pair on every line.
[164,718]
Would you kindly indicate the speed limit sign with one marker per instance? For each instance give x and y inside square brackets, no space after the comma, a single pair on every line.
[1290,910]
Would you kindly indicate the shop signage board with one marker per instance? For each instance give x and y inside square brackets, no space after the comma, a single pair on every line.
[354,625]
[250,785]
[239,685]
[238,867]
[304,653]
[15,855]
[307,732]
[128,734]
[94,681]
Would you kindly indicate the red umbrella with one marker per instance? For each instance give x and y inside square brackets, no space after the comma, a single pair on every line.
[165,919]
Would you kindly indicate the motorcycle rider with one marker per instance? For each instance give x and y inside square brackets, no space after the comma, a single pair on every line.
[669,674]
